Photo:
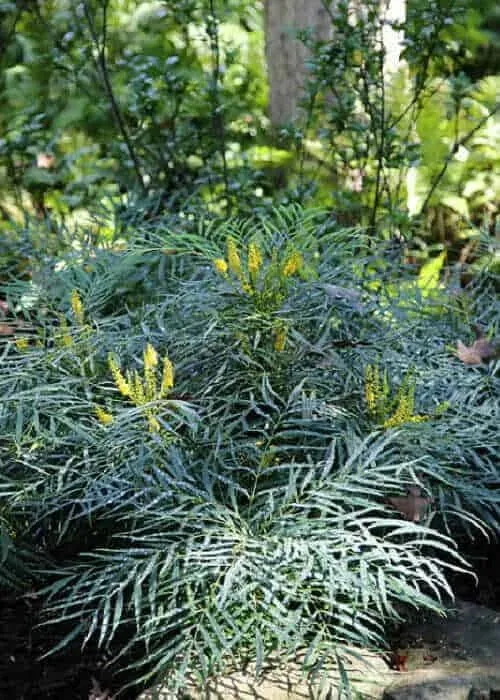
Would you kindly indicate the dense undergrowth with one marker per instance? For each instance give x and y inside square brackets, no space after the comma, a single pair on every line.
[255,438]
[160,107]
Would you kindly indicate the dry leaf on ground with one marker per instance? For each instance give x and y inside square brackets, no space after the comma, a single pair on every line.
[398,662]
[480,351]
[412,506]
[7,329]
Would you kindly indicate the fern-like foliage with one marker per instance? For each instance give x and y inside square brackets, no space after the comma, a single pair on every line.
[247,510]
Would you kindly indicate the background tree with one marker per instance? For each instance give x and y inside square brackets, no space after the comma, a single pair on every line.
[166,105]
[286,54]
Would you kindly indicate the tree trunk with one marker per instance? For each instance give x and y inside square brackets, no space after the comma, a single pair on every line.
[286,55]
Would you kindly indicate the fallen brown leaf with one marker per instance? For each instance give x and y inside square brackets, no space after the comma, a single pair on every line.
[398,662]
[412,506]
[430,658]
[481,350]
[7,329]
[12,327]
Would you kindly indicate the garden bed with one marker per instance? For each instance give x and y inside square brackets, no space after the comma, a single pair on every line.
[71,674]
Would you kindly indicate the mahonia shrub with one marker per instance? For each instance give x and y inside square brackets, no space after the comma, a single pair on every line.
[272,453]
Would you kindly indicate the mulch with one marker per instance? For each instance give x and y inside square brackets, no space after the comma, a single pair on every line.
[71,675]
[484,558]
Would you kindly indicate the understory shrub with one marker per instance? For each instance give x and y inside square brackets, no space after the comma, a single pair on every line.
[271,449]
[161,107]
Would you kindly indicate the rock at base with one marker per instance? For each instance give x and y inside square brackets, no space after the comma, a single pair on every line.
[451,658]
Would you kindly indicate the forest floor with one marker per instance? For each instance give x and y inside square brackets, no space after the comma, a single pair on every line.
[73,675]
[24,675]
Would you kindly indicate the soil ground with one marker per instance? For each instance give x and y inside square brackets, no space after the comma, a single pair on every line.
[25,676]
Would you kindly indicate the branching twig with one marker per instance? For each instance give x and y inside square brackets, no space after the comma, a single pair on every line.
[381,144]
[217,115]
[458,143]
[102,68]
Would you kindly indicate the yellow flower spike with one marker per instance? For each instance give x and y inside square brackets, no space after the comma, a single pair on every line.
[254,260]
[142,390]
[149,385]
[150,364]
[247,288]
[138,393]
[292,264]
[233,259]
[387,411]
[280,339]
[370,396]
[66,340]
[77,307]
[121,384]
[154,426]
[405,410]
[103,416]
[221,266]
[167,380]
[63,338]
[150,357]
[22,344]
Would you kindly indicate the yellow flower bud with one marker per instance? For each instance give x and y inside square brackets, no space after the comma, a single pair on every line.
[103,416]
[293,264]
[22,344]
[167,381]
[154,426]
[121,384]
[254,259]
[233,258]
[221,266]
[138,394]
[280,339]
[77,307]
[150,357]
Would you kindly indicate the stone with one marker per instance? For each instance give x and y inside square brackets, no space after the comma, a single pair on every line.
[448,658]
[459,688]
[451,658]
[286,682]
